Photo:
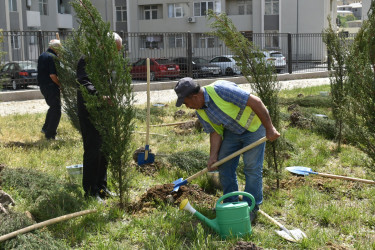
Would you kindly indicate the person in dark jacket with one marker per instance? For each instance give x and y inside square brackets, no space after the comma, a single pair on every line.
[95,163]
[50,87]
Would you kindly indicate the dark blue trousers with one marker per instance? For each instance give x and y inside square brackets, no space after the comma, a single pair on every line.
[94,161]
[51,93]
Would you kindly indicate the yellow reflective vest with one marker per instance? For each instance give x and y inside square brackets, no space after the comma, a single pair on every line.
[245,117]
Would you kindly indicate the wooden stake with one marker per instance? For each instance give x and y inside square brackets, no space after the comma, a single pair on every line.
[170,124]
[45,223]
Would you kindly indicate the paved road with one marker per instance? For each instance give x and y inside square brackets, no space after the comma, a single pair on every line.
[161,96]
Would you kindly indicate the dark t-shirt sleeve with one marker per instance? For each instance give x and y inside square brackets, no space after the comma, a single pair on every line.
[83,78]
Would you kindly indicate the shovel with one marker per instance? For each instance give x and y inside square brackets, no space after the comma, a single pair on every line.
[306,171]
[181,181]
[147,157]
[291,235]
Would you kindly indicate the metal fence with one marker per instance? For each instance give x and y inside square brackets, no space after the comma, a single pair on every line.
[303,52]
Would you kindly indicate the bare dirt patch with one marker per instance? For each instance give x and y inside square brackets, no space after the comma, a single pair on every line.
[244,245]
[163,194]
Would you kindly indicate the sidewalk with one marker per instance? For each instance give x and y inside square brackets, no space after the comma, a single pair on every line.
[161,92]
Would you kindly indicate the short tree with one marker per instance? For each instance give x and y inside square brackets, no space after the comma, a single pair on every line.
[360,106]
[337,53]
[2,53]
[111,110]
[261,77]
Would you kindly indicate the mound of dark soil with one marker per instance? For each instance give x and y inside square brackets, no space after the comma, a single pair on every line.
[163,194]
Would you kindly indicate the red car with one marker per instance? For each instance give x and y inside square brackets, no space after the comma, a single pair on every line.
[159,68]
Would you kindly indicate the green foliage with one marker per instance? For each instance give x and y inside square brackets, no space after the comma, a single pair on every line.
[2,52]
[111,110]
[68,56]
[308,101]
[361,88]
[259,74]
[39,239]
[49,197]
[189,161]
[312,203]
[344,19]
[337,53]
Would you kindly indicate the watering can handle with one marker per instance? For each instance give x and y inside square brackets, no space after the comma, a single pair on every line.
[237,193]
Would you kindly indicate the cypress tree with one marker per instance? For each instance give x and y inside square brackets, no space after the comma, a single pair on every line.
[111,110]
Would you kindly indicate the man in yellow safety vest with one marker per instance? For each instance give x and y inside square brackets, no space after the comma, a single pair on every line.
[234,119]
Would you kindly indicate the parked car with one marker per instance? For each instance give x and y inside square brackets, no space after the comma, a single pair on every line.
[19,74]
[159,68]
[200,67]
[278,59]
[227,64]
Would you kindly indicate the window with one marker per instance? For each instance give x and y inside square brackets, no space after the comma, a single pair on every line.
[14,39]
[245,7]
[151,42]
[151,12]
[203,41]
[272,7]
[121,14]
[201,8]
[176,10]
[43,7]
[176,41]
[12,5]
[272,39]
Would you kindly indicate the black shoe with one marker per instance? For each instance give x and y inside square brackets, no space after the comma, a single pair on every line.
[253,216]
[50,137]
[105,193]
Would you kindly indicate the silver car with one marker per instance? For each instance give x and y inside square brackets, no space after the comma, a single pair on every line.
[227,64]
[277,58]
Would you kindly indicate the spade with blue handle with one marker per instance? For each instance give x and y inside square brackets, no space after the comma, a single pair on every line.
[306,171]
[147,157]
[181,181]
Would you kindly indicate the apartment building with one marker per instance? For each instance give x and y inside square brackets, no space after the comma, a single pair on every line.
[249,16]
[56,15]
[175,16]
[256,16]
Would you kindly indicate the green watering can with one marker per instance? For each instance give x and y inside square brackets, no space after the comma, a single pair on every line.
[232,218]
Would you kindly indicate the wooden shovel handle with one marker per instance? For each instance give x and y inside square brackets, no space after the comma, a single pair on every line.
[346,178]
[148,105]
[45,223]
[170,124]
[229,157]
[272,219]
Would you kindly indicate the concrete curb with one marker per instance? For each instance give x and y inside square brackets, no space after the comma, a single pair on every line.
[23,95]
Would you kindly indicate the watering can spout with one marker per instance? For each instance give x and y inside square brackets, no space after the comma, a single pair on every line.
[185,205]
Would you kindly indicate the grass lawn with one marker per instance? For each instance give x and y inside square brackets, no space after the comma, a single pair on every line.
[333,213]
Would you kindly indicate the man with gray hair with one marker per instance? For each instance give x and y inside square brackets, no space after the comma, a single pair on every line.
[50,87]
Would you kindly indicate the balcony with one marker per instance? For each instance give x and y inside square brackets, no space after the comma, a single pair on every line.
[33,18]
[64,21]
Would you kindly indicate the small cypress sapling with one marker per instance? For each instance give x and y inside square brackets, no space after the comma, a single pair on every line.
[111,110]
[337,53]
[261,77]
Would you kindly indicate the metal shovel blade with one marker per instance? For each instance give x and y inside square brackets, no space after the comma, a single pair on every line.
[142,157]
[178,183]
[300,170]
[293,235]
